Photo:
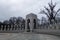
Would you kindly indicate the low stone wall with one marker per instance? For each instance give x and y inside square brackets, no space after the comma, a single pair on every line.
[47,31]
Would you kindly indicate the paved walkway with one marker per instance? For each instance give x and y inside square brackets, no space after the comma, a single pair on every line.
[28,36]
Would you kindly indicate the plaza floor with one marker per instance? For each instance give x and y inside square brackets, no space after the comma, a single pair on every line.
[27,36]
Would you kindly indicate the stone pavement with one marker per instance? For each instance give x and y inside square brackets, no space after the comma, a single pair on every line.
[28,36]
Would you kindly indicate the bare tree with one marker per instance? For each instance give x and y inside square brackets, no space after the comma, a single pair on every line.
[50,12]
[13,20]
[6,22]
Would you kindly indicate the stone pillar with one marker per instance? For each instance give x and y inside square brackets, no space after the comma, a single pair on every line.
[11,28]
[1,27]
[17,27]
[5,28]
[8,28]
[14,27]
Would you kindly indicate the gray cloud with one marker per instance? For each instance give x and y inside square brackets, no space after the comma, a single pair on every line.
[9,8]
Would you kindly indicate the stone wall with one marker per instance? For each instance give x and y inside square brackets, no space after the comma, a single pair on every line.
[50,29]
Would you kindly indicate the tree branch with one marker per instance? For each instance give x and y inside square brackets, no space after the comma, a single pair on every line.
[54,5]
[44,13]
[57,12]
[47,10]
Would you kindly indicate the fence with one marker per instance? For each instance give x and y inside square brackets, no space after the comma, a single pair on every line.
[11,28]
[50,26]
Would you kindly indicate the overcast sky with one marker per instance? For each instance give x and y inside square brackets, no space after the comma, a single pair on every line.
[10,8]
